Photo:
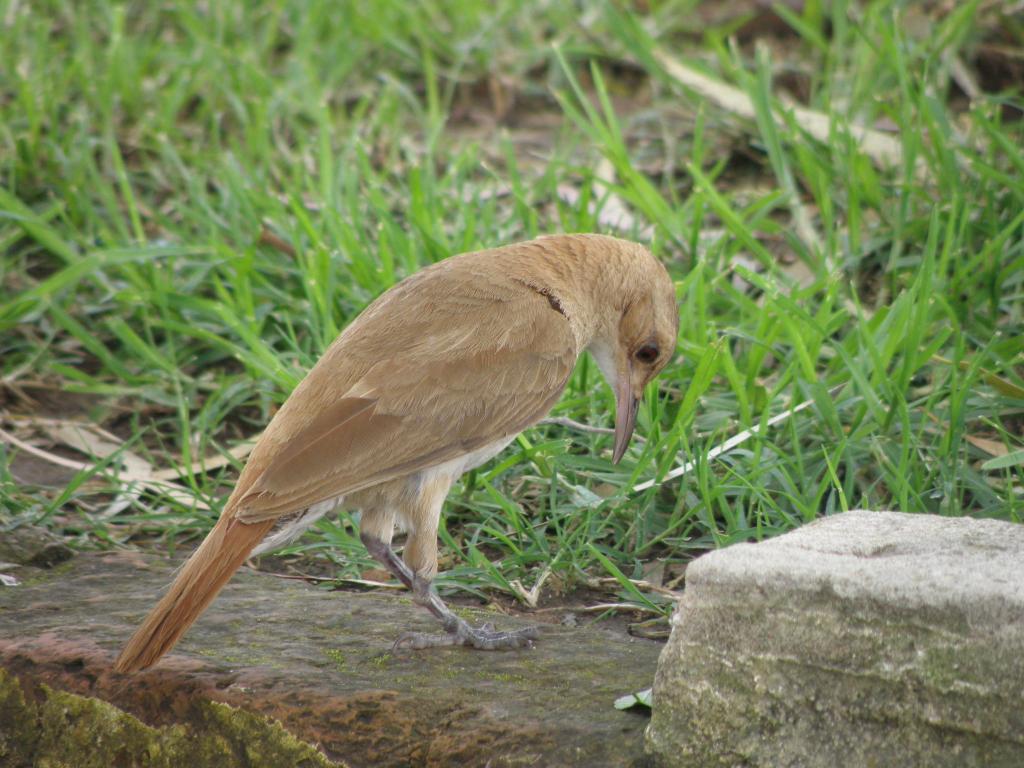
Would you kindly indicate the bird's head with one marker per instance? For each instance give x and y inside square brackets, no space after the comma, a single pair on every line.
[636,336]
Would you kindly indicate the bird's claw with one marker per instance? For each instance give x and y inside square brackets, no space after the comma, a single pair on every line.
[483,638]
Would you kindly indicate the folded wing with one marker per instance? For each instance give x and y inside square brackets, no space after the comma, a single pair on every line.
[478,364]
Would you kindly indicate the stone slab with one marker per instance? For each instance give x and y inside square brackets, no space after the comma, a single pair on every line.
[862,639]
[317,662]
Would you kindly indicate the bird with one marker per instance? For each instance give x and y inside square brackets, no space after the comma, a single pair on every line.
[435,377]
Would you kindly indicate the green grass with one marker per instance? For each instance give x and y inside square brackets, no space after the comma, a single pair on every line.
[144,149]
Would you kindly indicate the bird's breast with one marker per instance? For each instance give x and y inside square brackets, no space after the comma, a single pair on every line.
[454,468]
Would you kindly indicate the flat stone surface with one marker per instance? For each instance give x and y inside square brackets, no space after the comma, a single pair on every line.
[28,545]
[862,639]
[319,663]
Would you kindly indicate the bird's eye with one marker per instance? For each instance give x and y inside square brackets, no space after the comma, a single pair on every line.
[647,354]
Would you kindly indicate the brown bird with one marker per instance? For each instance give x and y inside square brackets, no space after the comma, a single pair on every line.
[434,378]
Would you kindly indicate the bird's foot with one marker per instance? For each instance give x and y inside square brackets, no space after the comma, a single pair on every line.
[459,632]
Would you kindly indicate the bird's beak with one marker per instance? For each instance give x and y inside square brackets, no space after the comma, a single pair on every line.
[626,403]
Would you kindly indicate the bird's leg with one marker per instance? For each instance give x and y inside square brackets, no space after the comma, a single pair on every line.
[458,631]
[381,552]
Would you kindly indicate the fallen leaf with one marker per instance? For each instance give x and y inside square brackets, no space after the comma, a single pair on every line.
[638,699]
[991,447]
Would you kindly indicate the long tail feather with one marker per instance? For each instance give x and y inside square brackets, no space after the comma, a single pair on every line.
[198,582]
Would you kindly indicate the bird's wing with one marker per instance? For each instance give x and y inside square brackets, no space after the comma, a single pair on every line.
[443,375]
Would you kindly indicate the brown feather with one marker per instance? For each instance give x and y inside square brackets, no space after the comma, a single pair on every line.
[496,370]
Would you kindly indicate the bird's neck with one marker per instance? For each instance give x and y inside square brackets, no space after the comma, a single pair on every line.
[587,274]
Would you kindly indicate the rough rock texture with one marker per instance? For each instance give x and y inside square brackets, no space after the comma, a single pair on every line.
[864,639]
[315,661]
[29,545]
[56,728]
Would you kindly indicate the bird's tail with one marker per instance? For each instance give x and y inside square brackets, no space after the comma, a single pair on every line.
[197,583]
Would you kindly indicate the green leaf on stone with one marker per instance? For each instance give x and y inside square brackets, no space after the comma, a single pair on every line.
[638,699]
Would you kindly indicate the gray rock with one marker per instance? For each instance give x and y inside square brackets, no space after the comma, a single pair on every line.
[29,545]
[276,665]
[863,639]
